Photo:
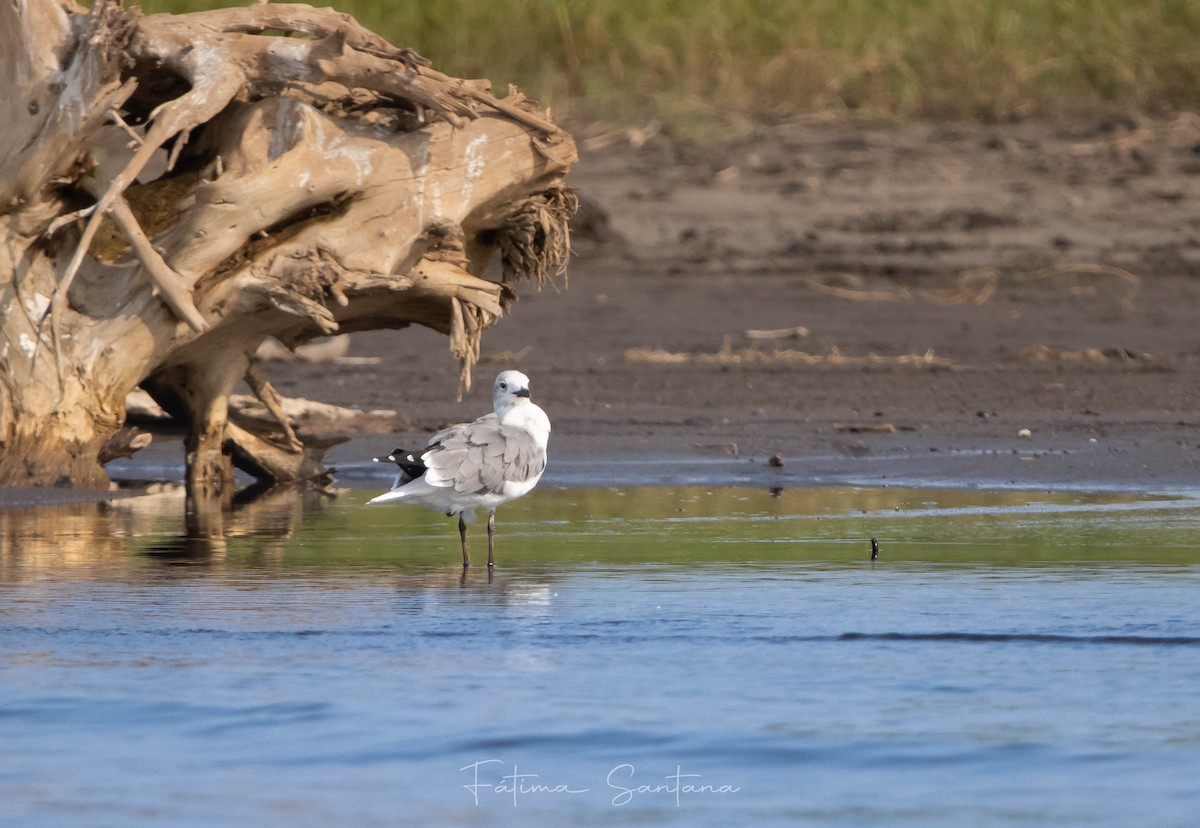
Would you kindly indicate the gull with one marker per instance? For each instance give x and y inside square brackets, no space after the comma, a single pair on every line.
[479,465]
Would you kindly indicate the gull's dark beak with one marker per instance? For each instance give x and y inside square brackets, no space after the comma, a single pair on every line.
[522,392]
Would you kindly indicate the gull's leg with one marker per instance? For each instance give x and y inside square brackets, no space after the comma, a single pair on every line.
[491,536]
[462,534]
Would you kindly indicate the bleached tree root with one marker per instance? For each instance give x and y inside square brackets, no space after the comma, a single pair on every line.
[176,189]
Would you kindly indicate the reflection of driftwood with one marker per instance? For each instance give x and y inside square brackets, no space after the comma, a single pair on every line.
[177,189]
[71,540]
[267,515]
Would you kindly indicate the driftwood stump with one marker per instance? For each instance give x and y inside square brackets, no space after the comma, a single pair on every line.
[176,188]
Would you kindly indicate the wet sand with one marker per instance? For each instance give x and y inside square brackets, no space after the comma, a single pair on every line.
[949,286]
[958,284]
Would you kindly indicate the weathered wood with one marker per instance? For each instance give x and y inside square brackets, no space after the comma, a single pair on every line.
[124,443]
[170,285]
[269,397]
[176,189]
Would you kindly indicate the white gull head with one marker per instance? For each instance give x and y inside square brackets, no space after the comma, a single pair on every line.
[510,389]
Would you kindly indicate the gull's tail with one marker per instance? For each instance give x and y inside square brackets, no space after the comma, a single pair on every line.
[394,494]
[411,468]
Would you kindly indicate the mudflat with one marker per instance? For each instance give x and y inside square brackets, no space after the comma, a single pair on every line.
[1015,304]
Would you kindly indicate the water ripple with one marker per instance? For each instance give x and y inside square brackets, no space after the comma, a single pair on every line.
[1025,638]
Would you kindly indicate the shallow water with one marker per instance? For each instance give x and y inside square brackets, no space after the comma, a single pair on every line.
[1011,658]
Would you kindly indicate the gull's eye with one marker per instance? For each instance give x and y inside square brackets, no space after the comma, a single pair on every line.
[503,386]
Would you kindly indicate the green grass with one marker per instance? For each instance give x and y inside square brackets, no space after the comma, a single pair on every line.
[747,61]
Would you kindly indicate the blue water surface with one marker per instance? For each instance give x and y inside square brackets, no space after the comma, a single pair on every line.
[638,657]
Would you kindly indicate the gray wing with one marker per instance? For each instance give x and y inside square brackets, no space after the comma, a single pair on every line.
[482,456]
